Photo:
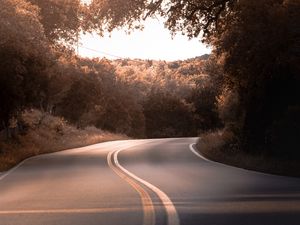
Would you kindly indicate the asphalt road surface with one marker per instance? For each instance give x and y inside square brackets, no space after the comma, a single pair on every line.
[143,182]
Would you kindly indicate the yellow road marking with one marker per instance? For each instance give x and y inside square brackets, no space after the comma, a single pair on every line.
[148,208]
[83,210]
[172,215]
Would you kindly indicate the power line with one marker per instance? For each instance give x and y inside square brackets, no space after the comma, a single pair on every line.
[104,53]
[109,54]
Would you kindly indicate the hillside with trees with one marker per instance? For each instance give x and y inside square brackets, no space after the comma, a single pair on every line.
[121,96]
[172,91]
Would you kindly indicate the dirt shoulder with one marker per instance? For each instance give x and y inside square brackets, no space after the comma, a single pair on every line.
[212,146]
[45,134]
[22,149]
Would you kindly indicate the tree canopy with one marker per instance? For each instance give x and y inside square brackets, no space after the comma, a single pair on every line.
[183,16]
[61,19]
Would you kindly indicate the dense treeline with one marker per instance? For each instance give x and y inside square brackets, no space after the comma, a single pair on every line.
[139,99]
[143,103]
[173,95]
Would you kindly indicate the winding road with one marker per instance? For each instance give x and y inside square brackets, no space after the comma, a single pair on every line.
[143,182]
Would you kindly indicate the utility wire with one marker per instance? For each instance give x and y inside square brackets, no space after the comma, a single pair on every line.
[112,55]
[104,53]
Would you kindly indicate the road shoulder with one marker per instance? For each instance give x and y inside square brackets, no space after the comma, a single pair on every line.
[215,152]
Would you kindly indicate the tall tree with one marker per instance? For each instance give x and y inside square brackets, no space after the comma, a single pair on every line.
[22,57]
[262,66]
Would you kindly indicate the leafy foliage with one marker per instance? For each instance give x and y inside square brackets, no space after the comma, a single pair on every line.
[126,96]
[263,69]
[168,116]
[184,16]
[61,19]
[22,58]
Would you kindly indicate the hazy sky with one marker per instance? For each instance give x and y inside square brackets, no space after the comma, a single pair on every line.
[154,42]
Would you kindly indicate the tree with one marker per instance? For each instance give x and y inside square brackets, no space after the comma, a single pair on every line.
[262,66]
[22,58]
[204,96]
[168,116]
[83,95]
[100,99]
[61,19]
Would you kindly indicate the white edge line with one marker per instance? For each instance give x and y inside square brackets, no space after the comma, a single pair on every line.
[13,169]
[199,155]
[234,167]
[172,214]
[222,164]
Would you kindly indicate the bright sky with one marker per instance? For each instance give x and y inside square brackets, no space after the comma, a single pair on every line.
[154,42]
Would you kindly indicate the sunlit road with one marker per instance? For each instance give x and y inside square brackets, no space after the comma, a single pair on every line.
[143,182]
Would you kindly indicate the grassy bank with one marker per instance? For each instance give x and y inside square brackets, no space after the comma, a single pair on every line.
[215,146]
[45,134]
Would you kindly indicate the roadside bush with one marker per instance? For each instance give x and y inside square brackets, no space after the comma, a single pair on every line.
[168,116]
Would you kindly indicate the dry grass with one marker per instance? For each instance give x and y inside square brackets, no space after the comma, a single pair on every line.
[216,146]
[47,134]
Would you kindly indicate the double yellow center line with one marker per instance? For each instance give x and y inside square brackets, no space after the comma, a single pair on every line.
[136,183]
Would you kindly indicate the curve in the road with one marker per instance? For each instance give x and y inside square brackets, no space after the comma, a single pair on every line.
[191,146]
[172,216]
